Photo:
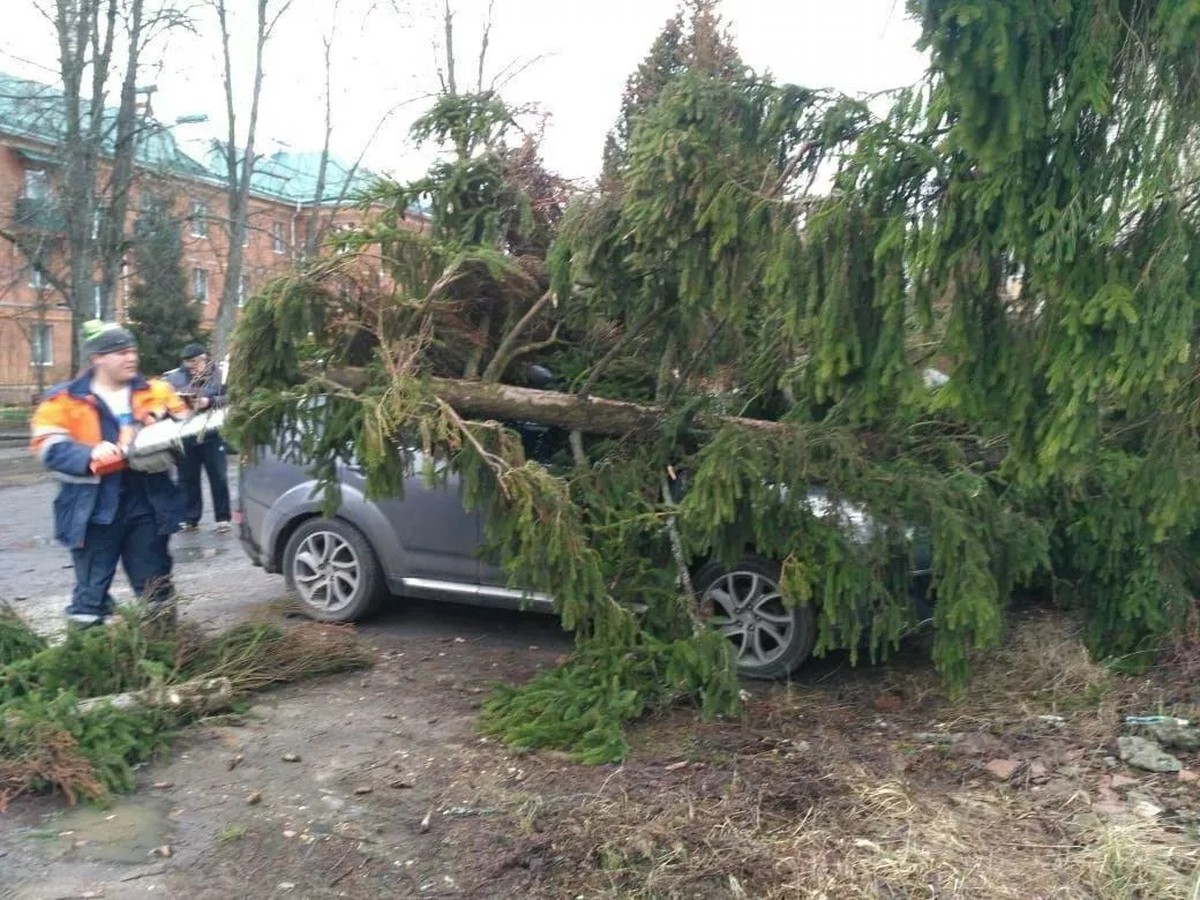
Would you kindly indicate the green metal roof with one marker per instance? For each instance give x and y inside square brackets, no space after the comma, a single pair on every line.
[34,111]
[293,176]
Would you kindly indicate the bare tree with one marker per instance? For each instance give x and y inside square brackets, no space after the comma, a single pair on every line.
[314,233]
[239,157]
[96,145]
[141,28]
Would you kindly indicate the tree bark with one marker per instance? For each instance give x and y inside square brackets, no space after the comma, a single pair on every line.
[239,171]
[618,418]
[111,233]
[590,415]
[204,695]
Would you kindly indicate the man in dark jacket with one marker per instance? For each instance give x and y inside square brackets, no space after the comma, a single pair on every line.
[199,382]
[104,511]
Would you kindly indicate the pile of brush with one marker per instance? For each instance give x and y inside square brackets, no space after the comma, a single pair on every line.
[77,716]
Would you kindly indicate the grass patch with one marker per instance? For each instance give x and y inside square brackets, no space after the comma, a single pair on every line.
[1131,860]
[231,833]
[49,742]
[816,792]
[14,415]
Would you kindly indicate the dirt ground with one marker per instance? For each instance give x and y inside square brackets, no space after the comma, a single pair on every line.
[852,783]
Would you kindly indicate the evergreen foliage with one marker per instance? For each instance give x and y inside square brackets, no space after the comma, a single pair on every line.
[1025,218]
[48,742]
[161,311]
[17,642]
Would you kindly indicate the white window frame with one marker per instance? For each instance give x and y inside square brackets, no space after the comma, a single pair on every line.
[36,187]
[198,216]
[243,290]
[37,279]
[199,285]
[278,239]
[41,345]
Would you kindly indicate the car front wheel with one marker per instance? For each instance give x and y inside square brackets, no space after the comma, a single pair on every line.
[331,569]
[771,639]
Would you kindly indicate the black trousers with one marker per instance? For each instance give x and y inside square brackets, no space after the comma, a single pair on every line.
[207,455]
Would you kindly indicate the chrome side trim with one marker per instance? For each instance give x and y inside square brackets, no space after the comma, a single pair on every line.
[433,584]
[477,590]
[501,593]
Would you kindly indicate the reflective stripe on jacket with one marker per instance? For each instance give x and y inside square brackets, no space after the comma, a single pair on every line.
[68,423]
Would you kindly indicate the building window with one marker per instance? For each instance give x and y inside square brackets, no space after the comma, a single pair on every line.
[198,215]
[37,280]
[278,244]
[200,285]
[243,291]
[41,345]
[98,215]
[36,185]
[152,204]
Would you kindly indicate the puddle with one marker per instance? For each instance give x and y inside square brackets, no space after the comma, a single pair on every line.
[194,554]
[126,832]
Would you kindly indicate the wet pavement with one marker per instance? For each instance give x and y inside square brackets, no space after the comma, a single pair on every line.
[36,577]
[213,576]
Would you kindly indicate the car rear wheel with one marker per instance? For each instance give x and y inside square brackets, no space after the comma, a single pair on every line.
[771,639]
[331,569]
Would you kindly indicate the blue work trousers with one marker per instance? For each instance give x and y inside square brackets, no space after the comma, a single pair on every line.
[133,539]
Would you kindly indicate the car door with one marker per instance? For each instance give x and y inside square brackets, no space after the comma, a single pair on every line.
[543,444]
[434,536]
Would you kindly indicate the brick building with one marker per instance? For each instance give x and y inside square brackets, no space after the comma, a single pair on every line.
[35,321]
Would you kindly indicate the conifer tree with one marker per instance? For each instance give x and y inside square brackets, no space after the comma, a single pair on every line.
[1027,216]
[161,313]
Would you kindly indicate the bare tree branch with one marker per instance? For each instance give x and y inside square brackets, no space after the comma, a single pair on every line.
[312,237]
[483,45]
[239,169]
[448,18]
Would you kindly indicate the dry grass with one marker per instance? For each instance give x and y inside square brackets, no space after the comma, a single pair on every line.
[1042,660]
[1126,860]
[815,793]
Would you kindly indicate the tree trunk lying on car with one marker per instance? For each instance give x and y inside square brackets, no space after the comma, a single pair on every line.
[621,418]
[591,415]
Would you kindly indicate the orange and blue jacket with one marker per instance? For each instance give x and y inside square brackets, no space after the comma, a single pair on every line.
[68,423]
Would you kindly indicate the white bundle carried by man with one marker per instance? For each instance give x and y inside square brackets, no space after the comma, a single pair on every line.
[155,447]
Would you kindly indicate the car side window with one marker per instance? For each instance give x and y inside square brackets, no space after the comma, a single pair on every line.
[543,443]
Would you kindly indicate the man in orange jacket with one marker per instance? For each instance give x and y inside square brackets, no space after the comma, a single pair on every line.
[105,512]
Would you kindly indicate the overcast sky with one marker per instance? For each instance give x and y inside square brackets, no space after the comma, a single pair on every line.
[571,57]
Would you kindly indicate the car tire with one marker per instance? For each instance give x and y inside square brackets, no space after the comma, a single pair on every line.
[771,640]
[332,571]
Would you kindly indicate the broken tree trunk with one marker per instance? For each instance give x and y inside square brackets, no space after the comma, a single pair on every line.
[603,416]
[199,697]
[592,415]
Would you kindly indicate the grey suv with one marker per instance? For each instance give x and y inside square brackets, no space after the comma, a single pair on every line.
[427,545]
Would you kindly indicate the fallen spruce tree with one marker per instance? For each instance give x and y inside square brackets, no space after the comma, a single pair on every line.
[1025,219]
[76,717]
